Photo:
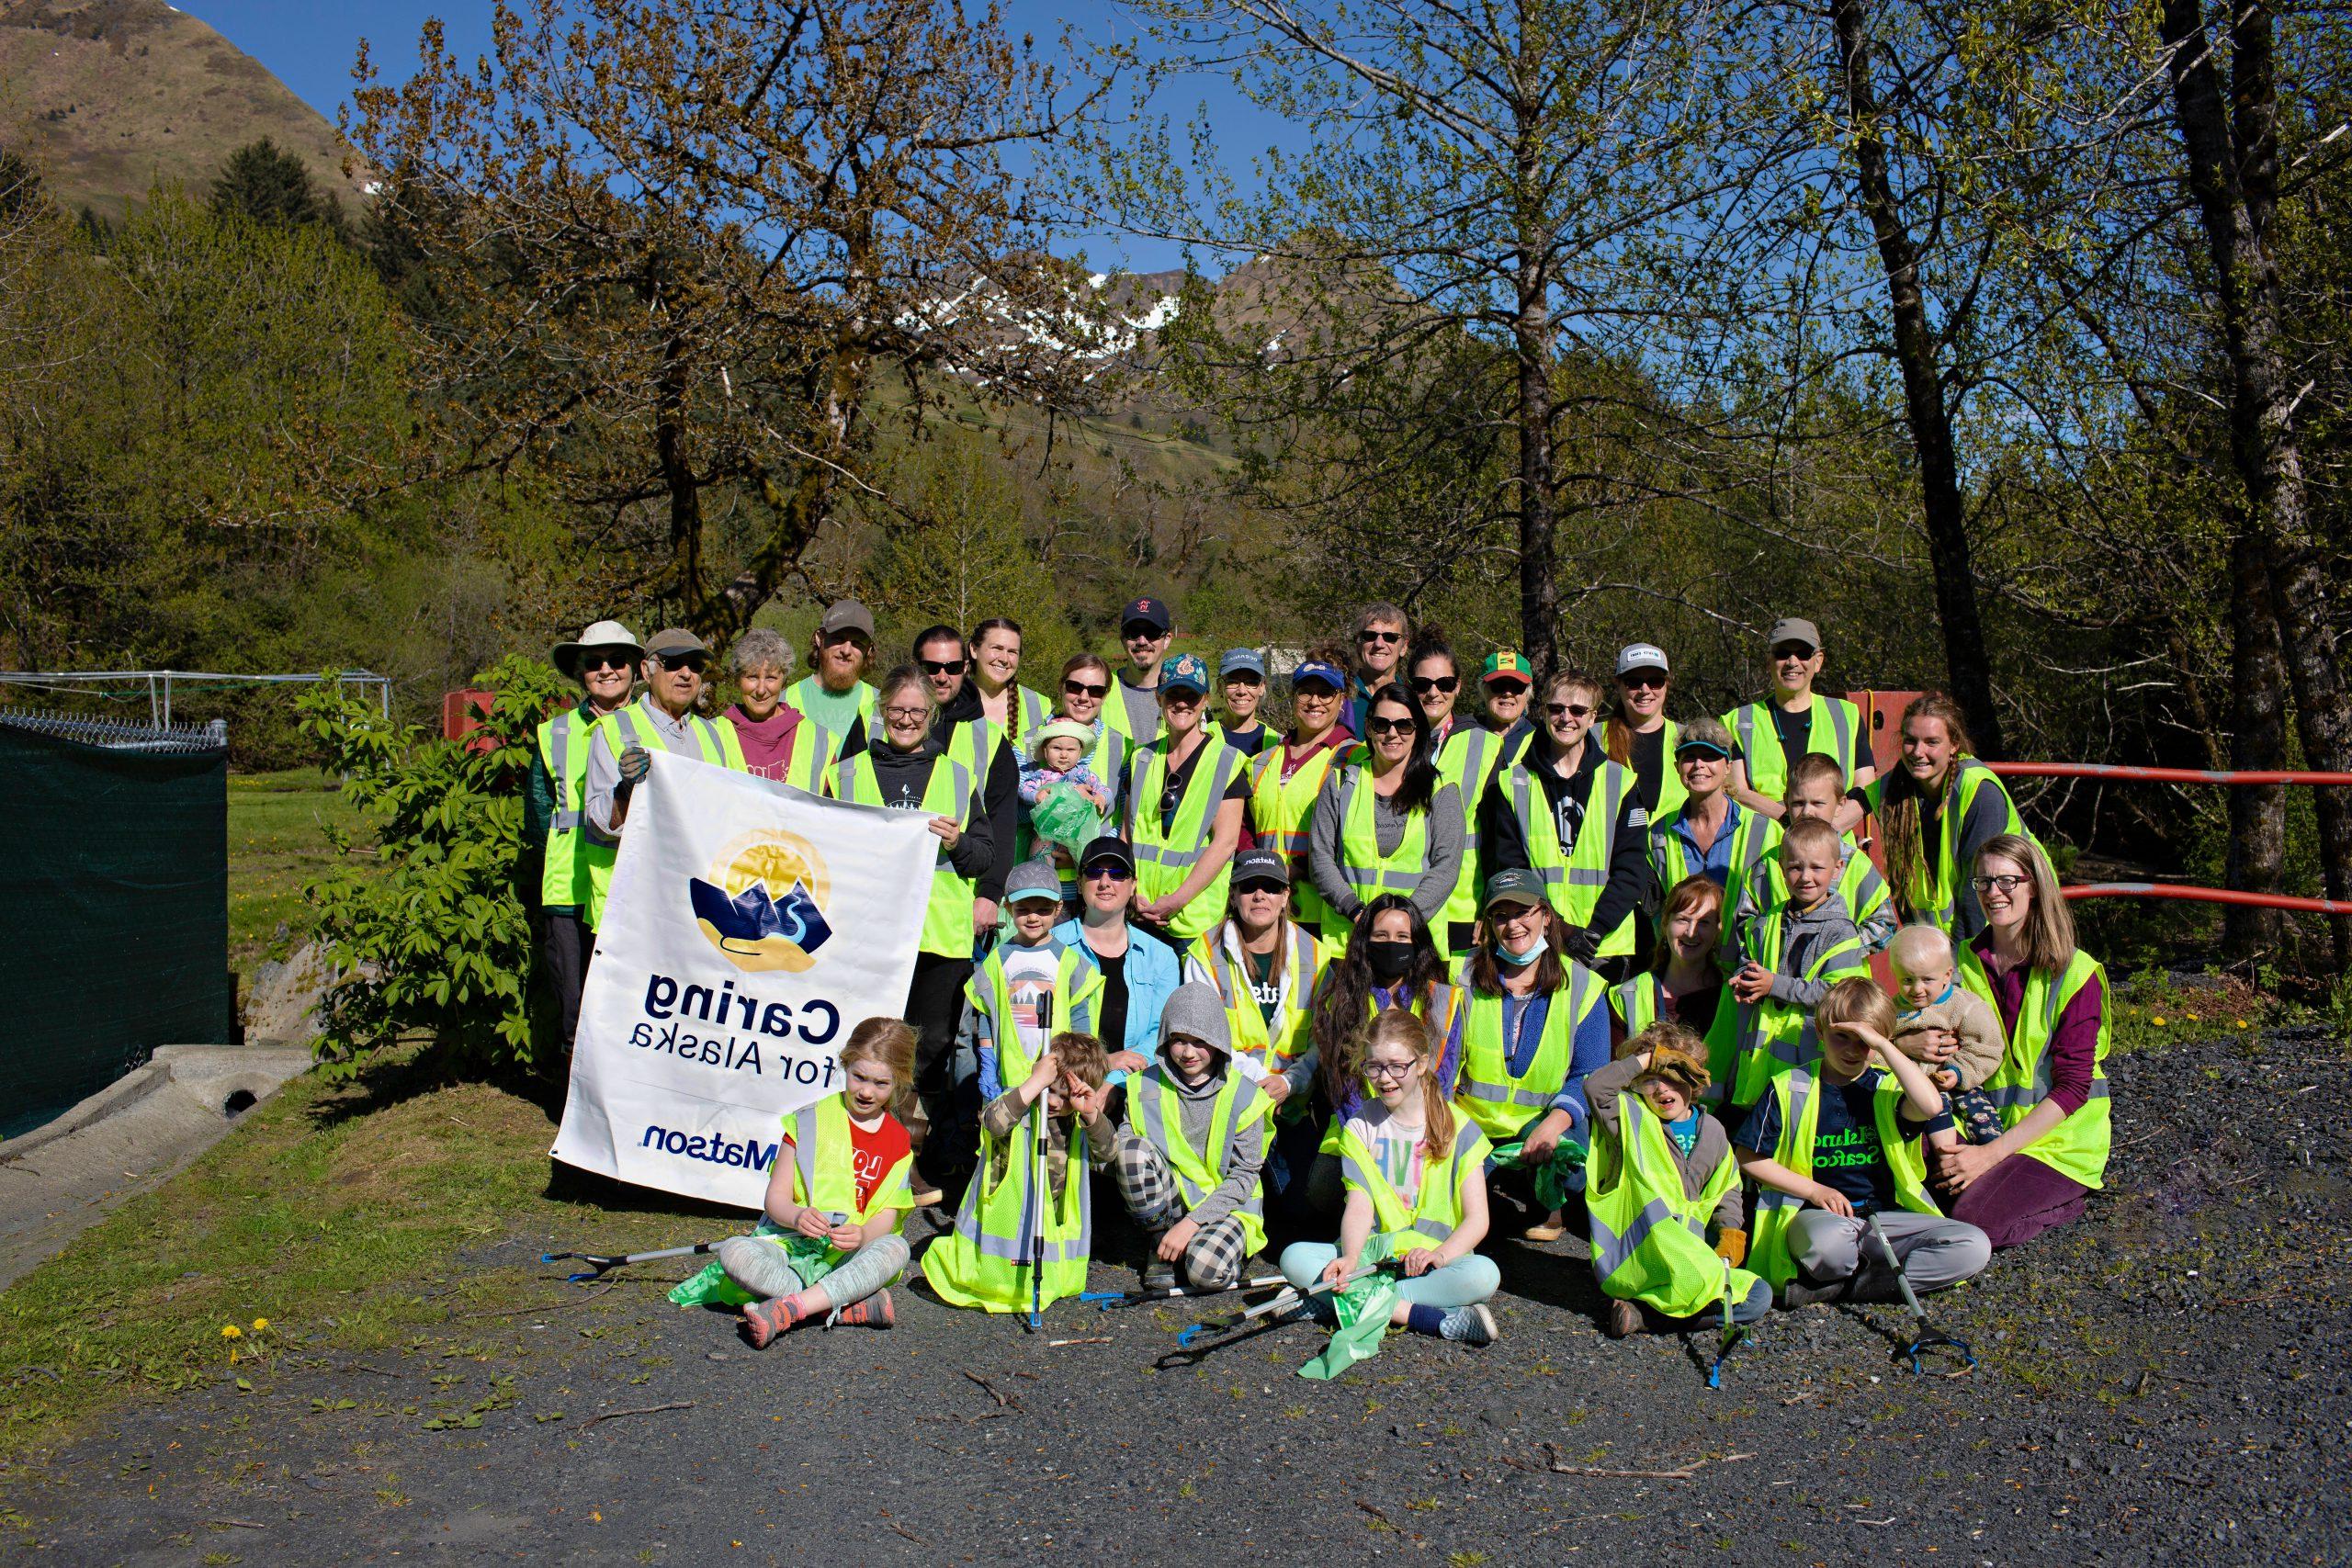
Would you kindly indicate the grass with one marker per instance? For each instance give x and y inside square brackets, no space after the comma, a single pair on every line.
[331,1215]
[2156,1008]
[276,842]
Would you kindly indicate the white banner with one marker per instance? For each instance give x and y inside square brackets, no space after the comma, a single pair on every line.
[749,928]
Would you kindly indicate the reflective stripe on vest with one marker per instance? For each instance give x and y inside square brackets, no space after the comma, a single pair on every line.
[1366,871]
[948,914]
[1437,1208]
[1635,1003]
[1796,1093]
[1500,1103]
[824,1158]
[1276,1047]
[1648,1230]
[714,743]
[2078,1147]
[985,1260]
[1768,770]
[1077,982]
[563,749]
[1167,851]
[1158,1119]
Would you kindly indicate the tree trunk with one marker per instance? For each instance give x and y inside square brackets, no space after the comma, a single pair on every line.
[684,491]
[2257,861]
[1968,669]
[2233,151]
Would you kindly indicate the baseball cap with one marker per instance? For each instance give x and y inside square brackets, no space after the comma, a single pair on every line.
[1184,673]
[1261,866]
[1505,664]
[1642,656]
[674,639]
[1689,742]
[1241,662]
[1152,611]
[1034,878]
[1110,847]
[1316,669]
[846,615]
[1516,887]
[602,634]
[1794,629]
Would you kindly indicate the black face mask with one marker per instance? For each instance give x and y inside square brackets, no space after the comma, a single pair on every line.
[1389,960]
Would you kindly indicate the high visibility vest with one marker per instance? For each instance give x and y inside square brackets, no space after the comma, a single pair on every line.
[1280,810]
[1859,883]
[563,750]
[949,793]
[1837,725]
[625,728]
[1467,760]
[2078,1147]
[1752,841]
[815,752]
[1572,882]
[1754,1041]
[1934,891]
[1114,719]
[1649,1235]
[1636,1003]
[1436,1209]
[1155,1114]
[1487,1093]
[1107,758]
[824,1166]
[987,1259]
[797,696]
[1367,872]
[1797,1092]
[1166,851]
[1277,1044]
[1670,793]
[1076,999]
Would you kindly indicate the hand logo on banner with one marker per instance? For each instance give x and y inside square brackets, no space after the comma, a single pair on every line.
[764,904]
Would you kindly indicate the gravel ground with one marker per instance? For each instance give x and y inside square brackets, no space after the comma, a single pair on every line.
[2167,1376]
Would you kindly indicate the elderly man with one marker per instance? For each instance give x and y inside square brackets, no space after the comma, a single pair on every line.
[620,748]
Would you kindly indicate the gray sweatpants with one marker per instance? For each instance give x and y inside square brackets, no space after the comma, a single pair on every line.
[765,1269]
[1936,1252]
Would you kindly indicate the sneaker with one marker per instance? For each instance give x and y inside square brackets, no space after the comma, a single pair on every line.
[1470,1325]
[1159,1275]
[764,1321]
[1624,1320]
[1798,1293]
[874,1312]
[1551,1228]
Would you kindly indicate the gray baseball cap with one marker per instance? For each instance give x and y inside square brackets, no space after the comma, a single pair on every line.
[1642,656]
[1794,629]
[1197,1010]
[1035,878]
[846,615]
[1241,661]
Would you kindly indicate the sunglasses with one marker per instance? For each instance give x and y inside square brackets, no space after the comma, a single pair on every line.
[694,661]
[1423,685]
[1140,631]
[1788,651]
[592,662]
[1387,725]
[1379,637]
[1107,873]
[1568,710]
[942,665]
[1261,887]
[834,640]
[1083,688]
[1639,682]
[1509,688]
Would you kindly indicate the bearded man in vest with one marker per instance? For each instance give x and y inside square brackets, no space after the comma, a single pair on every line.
[621,745]
[604,661]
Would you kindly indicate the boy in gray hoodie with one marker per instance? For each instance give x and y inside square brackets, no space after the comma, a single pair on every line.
[1188,1157]
[1791,956]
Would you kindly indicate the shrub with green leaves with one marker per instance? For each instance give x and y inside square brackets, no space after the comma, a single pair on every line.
[436,942]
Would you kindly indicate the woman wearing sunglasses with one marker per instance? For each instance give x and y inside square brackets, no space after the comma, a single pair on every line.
[603,661]
[1794,719]
[1638,734]
[1567,812]
[1384,824]
[1085,685]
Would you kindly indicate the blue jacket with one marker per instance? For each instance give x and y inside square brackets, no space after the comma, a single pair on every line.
[1153,971]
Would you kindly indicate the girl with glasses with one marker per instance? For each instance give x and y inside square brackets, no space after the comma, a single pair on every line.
[1384,824]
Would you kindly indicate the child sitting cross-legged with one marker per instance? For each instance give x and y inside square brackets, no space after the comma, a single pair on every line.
[1194,1142]
[1652,1146]
[828,1241]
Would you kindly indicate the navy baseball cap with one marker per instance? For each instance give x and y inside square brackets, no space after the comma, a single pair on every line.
[1241,661]
[1261,866]
[1109,847]
[1314,670]
[1153,612]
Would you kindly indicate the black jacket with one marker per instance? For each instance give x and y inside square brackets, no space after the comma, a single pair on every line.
[1503,847]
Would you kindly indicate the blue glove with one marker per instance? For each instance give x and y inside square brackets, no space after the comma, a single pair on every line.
[636,762]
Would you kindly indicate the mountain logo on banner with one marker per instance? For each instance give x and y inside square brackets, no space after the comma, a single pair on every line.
[763,904]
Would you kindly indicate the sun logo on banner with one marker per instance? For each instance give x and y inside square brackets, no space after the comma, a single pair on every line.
[763,905]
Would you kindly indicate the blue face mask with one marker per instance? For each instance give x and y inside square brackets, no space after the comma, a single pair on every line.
[1522,960]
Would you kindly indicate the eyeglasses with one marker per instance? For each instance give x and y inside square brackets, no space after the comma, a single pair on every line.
[1387,725]
[1243,678]
[1082,689]
[592,662]
[1368,635]
[1389,1072]
[1641,681]
[907,715]
[942,665]
[2005,884]
[1106,873]
[1568,710]
[694,661]
[1424,685]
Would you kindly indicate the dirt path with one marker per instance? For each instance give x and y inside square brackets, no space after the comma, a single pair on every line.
[2168,1377]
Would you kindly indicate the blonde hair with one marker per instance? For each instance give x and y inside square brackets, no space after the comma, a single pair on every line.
[889,1041]
[1395,1026]
[1811,833]
[1663,1035]
[2048,925]
[1812,767]
[1572,681]
[1919,946]
[1855,999]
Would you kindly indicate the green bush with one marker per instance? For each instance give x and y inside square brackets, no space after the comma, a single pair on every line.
[436,942]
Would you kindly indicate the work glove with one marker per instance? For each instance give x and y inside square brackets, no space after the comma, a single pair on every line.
[636,762]
[1582,943]
[1731,1245]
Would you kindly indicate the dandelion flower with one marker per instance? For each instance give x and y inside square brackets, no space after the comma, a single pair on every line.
[260,1323]
[230,1331]
[2158,1021]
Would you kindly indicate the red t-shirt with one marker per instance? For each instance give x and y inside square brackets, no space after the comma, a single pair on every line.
[873,1153]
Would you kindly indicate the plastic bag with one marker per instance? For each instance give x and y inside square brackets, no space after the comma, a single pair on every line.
[1064,814]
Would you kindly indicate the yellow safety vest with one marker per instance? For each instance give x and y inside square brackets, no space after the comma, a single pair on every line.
[1752,841]
[986,1260]
[1670,793]
[2078,1147]
[1368,872]
[1278,811]
[1934,892]
[563,750]
[1155,1114]
[1436,1209]
[1467,760]
[1276,1047]
[949,793]
[1753,1041]
[1078,986]
[1649,1234]
[1572,882]
[815,752]
[1166,851]
[1837,727]
[1797,1092]
[824,1166]
[1487,1093]
[621,730]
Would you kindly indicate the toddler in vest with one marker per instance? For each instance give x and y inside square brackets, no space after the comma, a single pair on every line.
[1933,1000]
[1665,1066]
[1219,1118]
[1061,799]
[828,1242]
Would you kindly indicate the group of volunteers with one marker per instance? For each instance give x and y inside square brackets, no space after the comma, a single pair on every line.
[1408,975]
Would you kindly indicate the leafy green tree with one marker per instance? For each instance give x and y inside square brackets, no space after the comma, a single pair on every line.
[271,186]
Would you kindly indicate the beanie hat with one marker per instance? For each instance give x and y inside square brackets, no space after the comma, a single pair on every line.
[1196,1010]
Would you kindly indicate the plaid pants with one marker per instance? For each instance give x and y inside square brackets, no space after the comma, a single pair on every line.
[1214,1259]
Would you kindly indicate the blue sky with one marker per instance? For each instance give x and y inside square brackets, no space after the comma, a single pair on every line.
[310,46]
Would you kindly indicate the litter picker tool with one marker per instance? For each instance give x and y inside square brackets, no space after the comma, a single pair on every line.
[599,1265]
[1106,1300]
[1041,1194]
[1929,1337]
[1734,1334]
[1288,1297]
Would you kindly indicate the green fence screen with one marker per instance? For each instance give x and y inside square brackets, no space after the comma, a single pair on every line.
[114,871]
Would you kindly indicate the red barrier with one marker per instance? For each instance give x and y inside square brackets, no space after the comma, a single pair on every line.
[2206,896]
[2160,775]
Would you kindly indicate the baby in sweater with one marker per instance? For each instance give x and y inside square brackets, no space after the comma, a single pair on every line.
[1057,766]
[1932,999]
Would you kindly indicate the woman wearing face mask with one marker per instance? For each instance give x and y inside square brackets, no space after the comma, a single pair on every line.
[1286,779]
[1936,813]
[1639,736]
[1568,813]
[1534,1022]
[1385,825]
[1684,983]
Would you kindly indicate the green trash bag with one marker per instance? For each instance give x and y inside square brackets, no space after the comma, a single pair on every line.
[1556,1179]
[710,1288]
[1064,814]
[1363,1309]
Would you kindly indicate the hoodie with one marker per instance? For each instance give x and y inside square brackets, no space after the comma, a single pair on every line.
[1806,936]
[903,776]
[1000,792]
[1196,1108]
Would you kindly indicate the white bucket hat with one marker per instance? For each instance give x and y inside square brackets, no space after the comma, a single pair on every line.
[602,634]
